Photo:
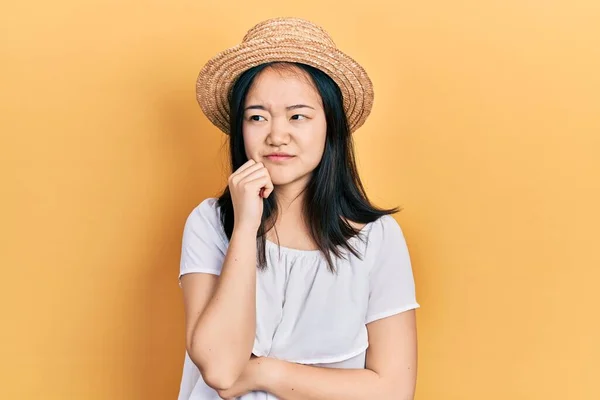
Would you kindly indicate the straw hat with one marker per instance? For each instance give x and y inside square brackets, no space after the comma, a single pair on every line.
[283,39]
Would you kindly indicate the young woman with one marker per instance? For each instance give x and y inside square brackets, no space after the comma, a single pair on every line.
[294,285]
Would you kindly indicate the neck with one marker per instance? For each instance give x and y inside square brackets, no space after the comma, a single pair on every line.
[290,218]
[290,197]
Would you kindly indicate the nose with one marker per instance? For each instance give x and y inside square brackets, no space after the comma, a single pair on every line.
[279,134]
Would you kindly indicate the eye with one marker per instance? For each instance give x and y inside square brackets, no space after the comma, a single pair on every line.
[256,118]
[299,115]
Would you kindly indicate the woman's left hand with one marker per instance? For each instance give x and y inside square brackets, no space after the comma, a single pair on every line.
[248,381]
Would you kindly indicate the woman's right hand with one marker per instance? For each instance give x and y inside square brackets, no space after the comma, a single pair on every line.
[248,186]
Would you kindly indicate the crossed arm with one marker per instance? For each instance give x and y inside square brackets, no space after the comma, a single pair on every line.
[220,327]
[390,372]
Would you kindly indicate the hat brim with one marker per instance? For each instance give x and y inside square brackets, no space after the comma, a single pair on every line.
[216,78]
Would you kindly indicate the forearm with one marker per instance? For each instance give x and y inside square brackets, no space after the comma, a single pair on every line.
[302,382]
[224,334]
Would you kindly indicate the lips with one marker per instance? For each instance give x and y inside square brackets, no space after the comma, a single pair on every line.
[279,157]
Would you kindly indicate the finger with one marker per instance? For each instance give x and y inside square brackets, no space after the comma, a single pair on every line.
[244,166]
[252,175]
[250,170]
[268,189]
[259,183]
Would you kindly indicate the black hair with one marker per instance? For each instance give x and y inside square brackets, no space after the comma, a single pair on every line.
[333,196]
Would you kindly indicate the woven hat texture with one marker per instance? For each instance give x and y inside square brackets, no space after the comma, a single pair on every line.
[283,40]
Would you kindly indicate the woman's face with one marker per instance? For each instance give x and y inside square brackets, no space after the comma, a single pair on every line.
[284,124]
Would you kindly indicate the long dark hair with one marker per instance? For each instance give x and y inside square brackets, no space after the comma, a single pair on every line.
[334,194]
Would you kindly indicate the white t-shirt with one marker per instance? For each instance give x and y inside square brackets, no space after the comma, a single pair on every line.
[304,313]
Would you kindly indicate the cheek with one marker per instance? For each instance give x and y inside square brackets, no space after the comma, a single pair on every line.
[314,153]
[251,144]
[317,144]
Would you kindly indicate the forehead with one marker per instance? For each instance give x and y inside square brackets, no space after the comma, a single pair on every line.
[283,86]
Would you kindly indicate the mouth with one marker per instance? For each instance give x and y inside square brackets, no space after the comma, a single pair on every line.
[279,157]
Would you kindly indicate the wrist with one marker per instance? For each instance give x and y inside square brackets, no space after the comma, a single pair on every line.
[244,235]
[244,230]
[268,373]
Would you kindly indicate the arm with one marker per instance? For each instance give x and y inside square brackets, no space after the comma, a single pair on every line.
[391,370]
[220,313]
[392,354]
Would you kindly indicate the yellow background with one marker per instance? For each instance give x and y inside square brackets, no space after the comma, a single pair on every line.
[486,129]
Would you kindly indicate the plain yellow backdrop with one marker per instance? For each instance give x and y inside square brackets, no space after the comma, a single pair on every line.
[485,128]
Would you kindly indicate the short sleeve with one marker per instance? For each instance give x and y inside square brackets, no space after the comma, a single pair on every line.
[203,246]
[391,281]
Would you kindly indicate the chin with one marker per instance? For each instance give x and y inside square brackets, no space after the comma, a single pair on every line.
[280,181]
[279,178]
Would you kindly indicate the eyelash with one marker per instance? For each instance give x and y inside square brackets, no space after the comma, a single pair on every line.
[260,116]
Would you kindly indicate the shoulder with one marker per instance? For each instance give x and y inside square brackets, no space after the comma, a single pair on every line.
[381,223]
[209,206]
[383,227]
[204,242]
[384,234]
[389,226]
[207,210]
[205,217]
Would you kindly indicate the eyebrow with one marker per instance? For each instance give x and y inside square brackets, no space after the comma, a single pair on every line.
[294,107]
